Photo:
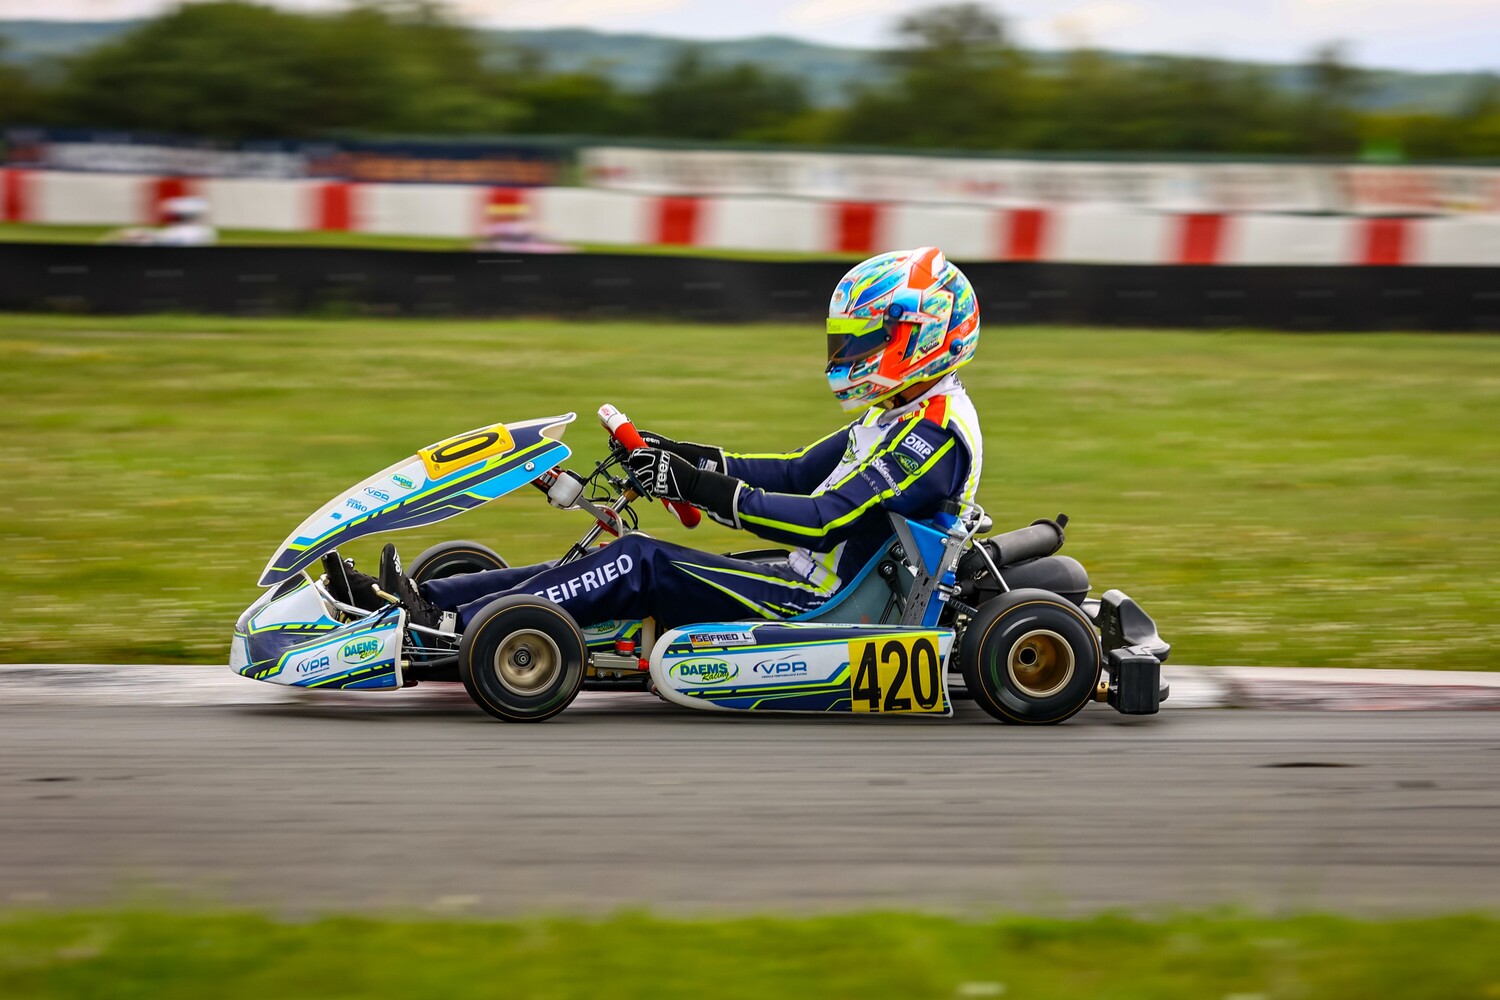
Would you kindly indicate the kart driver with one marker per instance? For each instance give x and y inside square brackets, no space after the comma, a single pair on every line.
[899,325]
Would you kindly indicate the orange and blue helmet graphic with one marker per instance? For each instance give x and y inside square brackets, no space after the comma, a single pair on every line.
[895,320]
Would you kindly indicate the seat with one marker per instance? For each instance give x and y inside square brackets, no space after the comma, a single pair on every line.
[869,599]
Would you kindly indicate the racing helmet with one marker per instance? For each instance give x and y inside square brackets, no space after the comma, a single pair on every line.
[895,320]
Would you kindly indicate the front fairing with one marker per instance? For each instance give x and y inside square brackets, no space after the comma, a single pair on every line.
[439,482]
[286,637]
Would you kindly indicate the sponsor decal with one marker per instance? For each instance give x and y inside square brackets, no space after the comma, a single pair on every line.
[380,495]
[351,502]
[360,650]
[917,446]
[312,665]
[403,482]
[879,466]
[703,671]
[588,580]
[740,638]
[908,464]
[780,668]
[603,628]
[851,453]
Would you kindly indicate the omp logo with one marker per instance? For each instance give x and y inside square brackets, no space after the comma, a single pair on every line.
[917,446]
[360,650]
[403,482]
[780,668]
[703,671]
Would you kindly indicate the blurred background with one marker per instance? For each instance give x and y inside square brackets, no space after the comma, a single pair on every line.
[1239,268]
[810,127]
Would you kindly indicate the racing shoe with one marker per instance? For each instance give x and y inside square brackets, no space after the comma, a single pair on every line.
[348,585]
[419,610]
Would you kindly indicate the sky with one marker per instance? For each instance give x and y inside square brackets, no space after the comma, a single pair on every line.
[1429,35]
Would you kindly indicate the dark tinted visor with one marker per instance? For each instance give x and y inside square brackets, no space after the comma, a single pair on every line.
[852,338]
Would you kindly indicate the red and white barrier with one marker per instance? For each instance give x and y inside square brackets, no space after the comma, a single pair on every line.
[1075,233]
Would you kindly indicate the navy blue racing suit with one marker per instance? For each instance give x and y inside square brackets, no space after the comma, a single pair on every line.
[829,499]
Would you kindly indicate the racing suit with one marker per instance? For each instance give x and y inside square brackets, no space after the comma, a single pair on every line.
[828,499]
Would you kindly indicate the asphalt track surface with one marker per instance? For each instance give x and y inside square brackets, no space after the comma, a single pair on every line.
[416,801]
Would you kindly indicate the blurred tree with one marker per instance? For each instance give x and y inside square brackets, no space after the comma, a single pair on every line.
[1327,119]
[575,104]
[696,100]
[956,82]
[952,79]
[236,69]
[21,101]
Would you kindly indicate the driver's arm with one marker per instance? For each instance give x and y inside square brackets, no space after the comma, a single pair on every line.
[927,465]
[800,471]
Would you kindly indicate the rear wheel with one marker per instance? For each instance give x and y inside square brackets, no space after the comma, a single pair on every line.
[522,659]
[1030,657]
[453,558]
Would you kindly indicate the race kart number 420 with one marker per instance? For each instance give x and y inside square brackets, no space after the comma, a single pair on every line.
[896,674]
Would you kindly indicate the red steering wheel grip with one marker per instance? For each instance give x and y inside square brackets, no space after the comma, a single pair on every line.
[623,431]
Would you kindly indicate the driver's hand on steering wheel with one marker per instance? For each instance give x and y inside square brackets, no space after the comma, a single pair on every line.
[702,456]
[661,474]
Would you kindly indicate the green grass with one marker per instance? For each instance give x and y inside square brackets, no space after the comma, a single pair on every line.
[1269,498]
[21,232]
[869,956]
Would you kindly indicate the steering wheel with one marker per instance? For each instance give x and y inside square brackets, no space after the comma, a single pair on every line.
[622,430]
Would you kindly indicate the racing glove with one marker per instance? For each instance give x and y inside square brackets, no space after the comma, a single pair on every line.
[668,476]
[703,456]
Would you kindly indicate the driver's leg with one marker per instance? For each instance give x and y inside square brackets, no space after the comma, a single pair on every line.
[451,592]
[639,577]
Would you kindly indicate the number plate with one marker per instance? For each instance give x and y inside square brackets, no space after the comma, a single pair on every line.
[896,673]
[466,449]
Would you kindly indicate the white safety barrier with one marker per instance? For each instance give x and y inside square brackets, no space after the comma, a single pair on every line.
[1075,233]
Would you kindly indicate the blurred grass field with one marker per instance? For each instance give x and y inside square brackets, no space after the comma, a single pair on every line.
[1270,498]
[166,956]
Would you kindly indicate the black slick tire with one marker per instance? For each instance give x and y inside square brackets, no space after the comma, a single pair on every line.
[522,659]
[1030,657]
[454,558]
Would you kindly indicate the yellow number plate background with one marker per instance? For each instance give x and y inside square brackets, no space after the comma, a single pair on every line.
[887,661]
[466,449]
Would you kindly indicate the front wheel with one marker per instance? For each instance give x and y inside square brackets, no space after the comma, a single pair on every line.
[453,558]
[522,658]
[1030,657]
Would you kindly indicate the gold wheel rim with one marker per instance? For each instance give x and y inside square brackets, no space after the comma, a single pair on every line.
[1040,663]
[527,662]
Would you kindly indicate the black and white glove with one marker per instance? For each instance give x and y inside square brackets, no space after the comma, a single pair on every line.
[702,456]
[668,476]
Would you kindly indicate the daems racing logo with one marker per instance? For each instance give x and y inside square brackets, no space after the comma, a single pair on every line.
[703,671]
[360,650]
[403,482]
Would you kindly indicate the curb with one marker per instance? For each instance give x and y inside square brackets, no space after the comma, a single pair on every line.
[1331,689]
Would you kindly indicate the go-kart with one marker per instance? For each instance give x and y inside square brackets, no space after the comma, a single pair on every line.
[939,612]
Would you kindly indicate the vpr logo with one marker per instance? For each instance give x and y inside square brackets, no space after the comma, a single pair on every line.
[780,668]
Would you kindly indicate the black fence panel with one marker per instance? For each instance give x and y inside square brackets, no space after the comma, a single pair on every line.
[39,277]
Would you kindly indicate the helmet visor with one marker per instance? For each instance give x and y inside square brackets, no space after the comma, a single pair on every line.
[854,338]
